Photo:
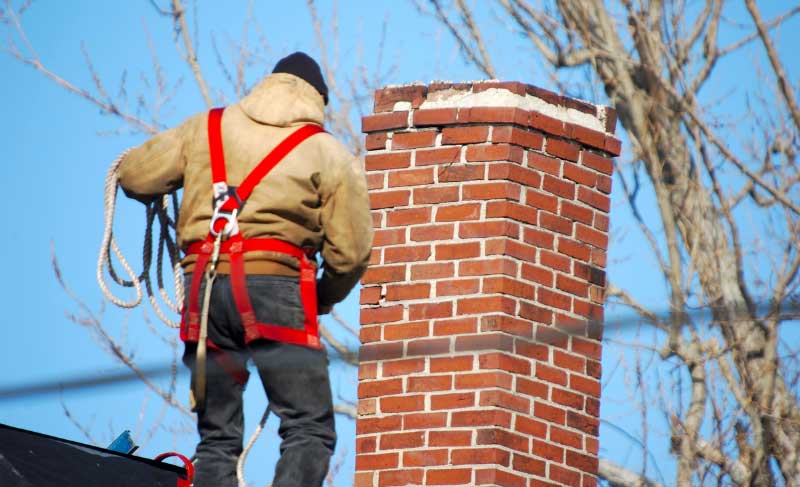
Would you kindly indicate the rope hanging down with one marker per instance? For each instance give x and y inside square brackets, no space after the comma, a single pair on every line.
[159,208]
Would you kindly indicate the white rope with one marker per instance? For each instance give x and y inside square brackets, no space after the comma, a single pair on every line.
[252,441]
[160,210]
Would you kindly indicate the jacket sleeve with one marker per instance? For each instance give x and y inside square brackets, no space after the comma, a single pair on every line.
[347,224]
[155,167]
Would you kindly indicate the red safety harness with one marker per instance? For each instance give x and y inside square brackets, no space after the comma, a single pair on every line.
[228,201]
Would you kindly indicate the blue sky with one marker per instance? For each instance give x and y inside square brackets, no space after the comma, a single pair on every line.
[57,147]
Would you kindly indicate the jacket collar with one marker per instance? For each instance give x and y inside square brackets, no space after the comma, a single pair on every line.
[283,100]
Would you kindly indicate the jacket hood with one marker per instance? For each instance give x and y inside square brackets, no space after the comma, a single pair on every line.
[283,99]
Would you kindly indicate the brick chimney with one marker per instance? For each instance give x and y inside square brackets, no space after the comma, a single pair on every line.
[480,357]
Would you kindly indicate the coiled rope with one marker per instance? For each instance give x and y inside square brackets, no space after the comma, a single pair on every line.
[159,208]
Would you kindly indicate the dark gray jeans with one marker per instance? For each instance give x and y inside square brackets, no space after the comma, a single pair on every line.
[295,379]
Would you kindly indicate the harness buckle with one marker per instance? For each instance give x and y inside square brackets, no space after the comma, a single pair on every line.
[231,223]
[222,192]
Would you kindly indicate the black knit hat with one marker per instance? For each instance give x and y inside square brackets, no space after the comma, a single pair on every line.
[303,66]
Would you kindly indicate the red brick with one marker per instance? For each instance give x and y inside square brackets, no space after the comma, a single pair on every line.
[366,444]
[393,441]
[464,135]
[613,146]
[576,213]
[568,361]
[457,251]
[513,135]
[378,388]
[448,476]
[391,478]
[540,200]
[484,304]
[428,346]
[489,191]
[378,425]
[486,114]
[549,413]
[485,341]
[389,199]
[572,286]
[435,195]
[424,420]
[556,300]
[580,176]
[411,177]
[505,285]
[551,374]
[554,261]
[528,465]
[494,228]
[384,314]
[407,254]
[391,368]
[456,400]
[507,324]
[386,98]
[382,274]
[516,173]
[584,384]
[369,334]
[494,152]
[451,364]
[532,388]
[583,462]
[505,400]
[384,121]
[408,216]
[547,450]
[377,461]
[538,238]
[453,173]
[429,383]
[566,398]
[425,458]
[495,436]
[405,331]
[435,116]
[391,236]
[494,476]
[564,476]
[483,380]
[531,427]
[457,287]
[470,211]
[565,437]
[492,417]
[597,162]
[555,223]
[556,186]
[387,160]
[380,351]
[375,181]
[430,310]
[428,233]
[587,424]
[502,361]
[484,267]
[585,135]
[432,271]
[562,149]
[413,140]
[604,184]
[537,274]
[509,209]
[402,404]
[595,199]
[591,236]
[450,438]
[400,292]
[375,141]
[510,247]
[546,124]
[479,456]
[370,295]
[444,155]
[587,348]
[544,163]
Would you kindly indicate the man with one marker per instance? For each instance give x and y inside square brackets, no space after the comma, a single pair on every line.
[313,198]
